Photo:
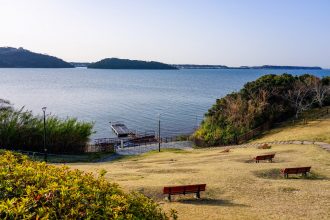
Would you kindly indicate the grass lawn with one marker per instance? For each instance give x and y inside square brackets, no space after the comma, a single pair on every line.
[314,130]
[237,188]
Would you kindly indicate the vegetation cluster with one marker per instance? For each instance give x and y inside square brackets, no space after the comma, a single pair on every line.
[271,98]
[20,129]
[34,190]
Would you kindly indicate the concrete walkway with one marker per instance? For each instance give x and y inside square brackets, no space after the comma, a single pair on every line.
[188,145]
[323,145]
[129,151]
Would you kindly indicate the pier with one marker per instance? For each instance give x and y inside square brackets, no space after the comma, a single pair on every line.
[120,129]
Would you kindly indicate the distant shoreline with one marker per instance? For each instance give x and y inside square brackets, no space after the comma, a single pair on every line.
[195,66]
[11,57]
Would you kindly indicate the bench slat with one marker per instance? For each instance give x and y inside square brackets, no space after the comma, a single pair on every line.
[184,189]
[296,170]
[265,157]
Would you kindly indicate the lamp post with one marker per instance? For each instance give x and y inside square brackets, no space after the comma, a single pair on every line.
[45,149]
[159,140]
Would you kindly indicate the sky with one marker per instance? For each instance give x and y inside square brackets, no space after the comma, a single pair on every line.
[231,32]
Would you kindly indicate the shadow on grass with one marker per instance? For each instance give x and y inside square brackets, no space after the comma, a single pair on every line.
[288,189]
[74,158]
[247,160]
[276,174]
[163,150]
[210,202]
[310,176]
[251,160]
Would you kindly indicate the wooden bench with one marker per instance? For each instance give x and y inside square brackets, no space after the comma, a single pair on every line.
[268,157]
[295,170]
[176,190]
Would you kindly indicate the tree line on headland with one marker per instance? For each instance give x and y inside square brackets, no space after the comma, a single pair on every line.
[271,98]
[22,58]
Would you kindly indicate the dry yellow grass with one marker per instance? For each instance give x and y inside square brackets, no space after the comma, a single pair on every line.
[317,130]
[237,188]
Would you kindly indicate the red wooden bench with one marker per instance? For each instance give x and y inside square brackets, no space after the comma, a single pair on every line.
[176,190]
[295,170]
[265,157]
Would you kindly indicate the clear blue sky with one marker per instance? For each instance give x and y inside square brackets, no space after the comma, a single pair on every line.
[232,32]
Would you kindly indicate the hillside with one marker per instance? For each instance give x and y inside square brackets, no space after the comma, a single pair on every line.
[309,130]
[237,187]
[269,99]
[115,63]
[20,58]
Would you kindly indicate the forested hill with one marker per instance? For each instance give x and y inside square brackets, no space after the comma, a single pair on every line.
[271,98]
[20,58]
[115,63]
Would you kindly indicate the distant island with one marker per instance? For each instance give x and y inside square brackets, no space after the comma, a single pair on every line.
[11,57]
[196,66]
[116,63]
[21,58]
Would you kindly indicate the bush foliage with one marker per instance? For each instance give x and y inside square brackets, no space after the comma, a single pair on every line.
[268,99]
[34,190]
[20,129]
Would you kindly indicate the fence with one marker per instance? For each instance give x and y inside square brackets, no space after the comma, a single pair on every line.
[265,127]
[253,133]
[304,118]
[111,144]
[92,148]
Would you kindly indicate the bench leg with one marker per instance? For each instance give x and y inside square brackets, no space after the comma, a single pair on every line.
[198,195]
[271,160]
[168,197]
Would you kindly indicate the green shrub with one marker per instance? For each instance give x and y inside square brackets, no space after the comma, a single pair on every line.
[20,129]
[35,190]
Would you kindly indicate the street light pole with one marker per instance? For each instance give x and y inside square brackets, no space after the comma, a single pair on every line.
[159,133]
[45,149]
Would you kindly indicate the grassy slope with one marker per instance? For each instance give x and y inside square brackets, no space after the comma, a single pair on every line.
[237,188]
[234,188]
[74,158]
[316,130]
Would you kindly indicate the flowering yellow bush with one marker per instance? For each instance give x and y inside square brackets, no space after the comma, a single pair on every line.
[35,190]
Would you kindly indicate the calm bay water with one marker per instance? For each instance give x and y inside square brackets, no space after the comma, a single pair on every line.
[135,97]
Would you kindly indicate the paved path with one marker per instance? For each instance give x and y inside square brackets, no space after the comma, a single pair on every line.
[323,145]
[187,145]
[127,151]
